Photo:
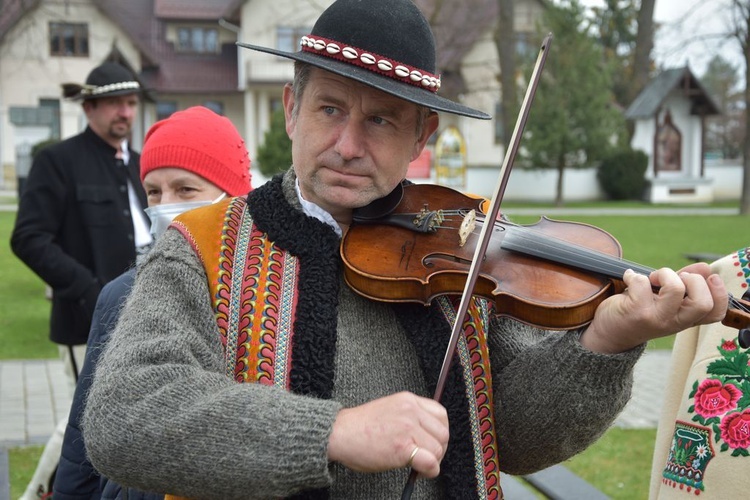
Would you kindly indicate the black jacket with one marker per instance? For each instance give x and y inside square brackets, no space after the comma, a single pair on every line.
[74,228]
[76,478]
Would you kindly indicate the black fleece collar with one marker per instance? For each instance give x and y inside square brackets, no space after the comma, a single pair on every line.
[316,246]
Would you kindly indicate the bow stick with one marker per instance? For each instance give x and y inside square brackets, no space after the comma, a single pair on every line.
[484,237]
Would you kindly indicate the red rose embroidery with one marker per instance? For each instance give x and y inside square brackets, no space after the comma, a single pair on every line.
[729,345]
[735,429]
[714,398]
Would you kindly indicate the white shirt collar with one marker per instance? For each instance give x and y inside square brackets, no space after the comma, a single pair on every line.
[124,151]
[314,210]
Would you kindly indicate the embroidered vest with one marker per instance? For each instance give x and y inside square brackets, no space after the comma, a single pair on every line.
[703,443]
[254,287]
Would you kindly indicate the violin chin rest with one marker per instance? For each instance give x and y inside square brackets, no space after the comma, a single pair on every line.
[381,207]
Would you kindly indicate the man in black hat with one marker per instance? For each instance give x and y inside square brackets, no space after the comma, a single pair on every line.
[80,219]
[243,366]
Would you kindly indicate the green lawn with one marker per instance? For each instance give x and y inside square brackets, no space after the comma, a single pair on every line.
[24,310]
[618,464]
[663,241]
[22,462]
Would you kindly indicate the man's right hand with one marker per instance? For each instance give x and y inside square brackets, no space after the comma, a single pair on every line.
[384,433]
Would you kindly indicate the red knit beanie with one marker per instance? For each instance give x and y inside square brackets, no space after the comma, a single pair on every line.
[202,142]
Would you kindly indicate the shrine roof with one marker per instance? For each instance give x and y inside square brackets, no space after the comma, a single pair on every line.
[650,100]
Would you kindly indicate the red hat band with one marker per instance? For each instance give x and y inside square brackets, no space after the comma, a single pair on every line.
[370,61]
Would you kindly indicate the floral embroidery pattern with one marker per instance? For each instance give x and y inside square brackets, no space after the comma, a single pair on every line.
[720,408]
[721,405]
[722,402]
[712,398]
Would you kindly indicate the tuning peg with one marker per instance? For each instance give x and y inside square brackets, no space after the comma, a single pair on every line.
[743,336]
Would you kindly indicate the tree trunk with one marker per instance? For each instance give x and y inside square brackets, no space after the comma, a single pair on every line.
[506,51]
[745,196]
[559,187]
[644,43]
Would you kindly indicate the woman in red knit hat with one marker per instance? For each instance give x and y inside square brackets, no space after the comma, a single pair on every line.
[193,158]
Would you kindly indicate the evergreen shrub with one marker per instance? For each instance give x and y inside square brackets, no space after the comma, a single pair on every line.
[275,154]
[621,174]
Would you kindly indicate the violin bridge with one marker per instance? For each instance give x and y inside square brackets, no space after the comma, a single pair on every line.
[468,224]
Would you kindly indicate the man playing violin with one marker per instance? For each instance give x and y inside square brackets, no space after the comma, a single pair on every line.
[243,366]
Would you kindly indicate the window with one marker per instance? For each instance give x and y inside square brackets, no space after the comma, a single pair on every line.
[28,116]
[525,45]
[215,106]
[196,39]
[47,114]
[68,40]
[164,109]
[52,107]
[287,38]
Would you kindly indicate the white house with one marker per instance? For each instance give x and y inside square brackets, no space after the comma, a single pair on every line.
[669,117]
[184,53]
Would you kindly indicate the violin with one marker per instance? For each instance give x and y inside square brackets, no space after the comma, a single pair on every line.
[552,274]
[418,244]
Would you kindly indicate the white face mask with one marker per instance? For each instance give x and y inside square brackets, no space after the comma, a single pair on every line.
[162,215]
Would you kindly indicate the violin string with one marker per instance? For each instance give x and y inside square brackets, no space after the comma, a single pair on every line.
[738,304]
[614,265]
[604,259]
[733,302]
[549,247]
[554,249]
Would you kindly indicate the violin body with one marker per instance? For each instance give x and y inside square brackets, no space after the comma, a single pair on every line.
[396,264]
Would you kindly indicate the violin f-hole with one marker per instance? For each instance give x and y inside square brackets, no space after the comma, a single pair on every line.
[429,261]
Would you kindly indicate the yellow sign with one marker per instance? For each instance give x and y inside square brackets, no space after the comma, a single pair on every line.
[450,159]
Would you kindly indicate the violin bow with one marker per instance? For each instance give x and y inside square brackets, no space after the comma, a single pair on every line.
[484,237]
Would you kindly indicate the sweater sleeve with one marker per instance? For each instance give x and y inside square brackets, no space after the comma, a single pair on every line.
[553,397]
[162,416]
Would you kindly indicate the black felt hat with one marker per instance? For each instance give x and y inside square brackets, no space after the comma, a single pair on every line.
[107,79]
[386,44]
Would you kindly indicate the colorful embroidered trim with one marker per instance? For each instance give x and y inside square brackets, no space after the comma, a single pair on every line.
[473,354]
[689,454]
[263,290]
[373,62]
[743,263]
[230,283]
[254,290]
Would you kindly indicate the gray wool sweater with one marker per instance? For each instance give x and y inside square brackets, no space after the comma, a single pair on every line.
[162,416]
